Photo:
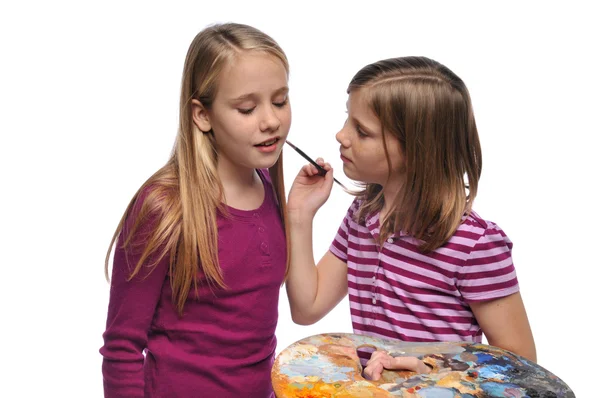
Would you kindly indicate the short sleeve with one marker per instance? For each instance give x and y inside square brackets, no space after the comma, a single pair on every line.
[339,246]
[488,272]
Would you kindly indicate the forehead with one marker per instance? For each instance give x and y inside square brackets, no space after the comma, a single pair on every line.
[358,101]
[359,107]
[251,72]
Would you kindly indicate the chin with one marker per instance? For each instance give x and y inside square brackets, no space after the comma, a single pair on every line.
[350,174]
[266,163]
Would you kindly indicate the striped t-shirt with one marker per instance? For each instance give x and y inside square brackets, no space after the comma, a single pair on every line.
[397,292]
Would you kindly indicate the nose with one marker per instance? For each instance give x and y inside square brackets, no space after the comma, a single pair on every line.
[342,137]
[269,120]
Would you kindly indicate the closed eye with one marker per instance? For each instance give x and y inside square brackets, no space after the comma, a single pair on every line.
[360,132]
[281,104]
[246,111]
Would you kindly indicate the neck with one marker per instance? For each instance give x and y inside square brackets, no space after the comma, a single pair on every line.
[242,188]
[390,191]
[235,176]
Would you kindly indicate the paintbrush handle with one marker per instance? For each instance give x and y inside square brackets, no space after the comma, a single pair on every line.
[322,171]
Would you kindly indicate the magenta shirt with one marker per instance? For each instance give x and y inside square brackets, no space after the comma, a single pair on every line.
[224,344]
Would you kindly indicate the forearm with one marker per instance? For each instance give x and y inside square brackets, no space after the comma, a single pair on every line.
[302,282]
[126,336]
[524,346]
[131,309]
[123,379]
[504,323]
[124,342]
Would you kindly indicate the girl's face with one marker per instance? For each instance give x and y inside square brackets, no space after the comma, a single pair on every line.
[251,115]
[362,149]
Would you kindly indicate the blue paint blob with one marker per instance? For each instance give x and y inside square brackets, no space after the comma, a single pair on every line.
[437,392]
[316,366]
[494,372]
[502,389]
[483,358]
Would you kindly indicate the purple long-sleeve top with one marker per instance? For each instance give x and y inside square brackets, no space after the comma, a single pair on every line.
[224,344]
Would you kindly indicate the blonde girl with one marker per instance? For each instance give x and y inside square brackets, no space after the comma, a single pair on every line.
[200,252]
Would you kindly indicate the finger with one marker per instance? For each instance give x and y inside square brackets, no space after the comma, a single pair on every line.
[326,167]
[371,361]
[409,363]
[424,368]
[381,354]
[375,371]
[368,372]
[307,170]
[374,357]
[378,359]
[314,169]
[323,164]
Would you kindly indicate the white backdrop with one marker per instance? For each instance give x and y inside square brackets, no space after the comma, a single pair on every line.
[89,101]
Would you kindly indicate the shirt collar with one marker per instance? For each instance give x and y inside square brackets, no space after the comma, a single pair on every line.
[372,224]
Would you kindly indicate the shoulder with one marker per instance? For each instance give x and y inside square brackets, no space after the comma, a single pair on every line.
[153,201]
[478,233]
[351,217]
[355,207]
[156,199]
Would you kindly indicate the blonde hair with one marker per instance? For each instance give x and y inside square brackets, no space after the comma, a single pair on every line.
[186,193]
[427,108]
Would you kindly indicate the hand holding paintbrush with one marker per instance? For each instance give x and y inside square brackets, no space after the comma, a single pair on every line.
[322,171]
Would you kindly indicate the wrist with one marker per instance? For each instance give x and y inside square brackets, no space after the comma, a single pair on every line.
[299,218]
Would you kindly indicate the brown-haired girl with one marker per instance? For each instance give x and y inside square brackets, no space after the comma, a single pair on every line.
[417,262]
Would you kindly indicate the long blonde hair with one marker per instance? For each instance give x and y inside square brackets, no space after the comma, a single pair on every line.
[186,193]
[427,108]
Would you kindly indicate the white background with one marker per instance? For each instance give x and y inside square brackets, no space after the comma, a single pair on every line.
[88,110]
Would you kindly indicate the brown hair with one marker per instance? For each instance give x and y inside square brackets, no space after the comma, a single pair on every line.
[427,108]
[186,193]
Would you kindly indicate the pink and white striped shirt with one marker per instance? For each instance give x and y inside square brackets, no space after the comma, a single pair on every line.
[397,292]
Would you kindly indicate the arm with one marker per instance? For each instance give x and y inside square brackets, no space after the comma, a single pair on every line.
[130,312]
[312,291]
[504,323]
[488,282]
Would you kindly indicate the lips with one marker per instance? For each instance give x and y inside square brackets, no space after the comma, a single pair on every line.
[269,142]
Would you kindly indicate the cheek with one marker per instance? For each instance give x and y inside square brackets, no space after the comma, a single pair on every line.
[398,159]
[372,154]
[237,127]
[286,119]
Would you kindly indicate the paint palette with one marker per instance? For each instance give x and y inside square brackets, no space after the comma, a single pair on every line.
[327,365]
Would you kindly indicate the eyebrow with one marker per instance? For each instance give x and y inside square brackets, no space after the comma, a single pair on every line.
[282,90]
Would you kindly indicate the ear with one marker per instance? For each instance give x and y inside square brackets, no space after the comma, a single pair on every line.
[200,116]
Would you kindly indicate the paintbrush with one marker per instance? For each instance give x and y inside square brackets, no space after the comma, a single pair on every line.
[322,171]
